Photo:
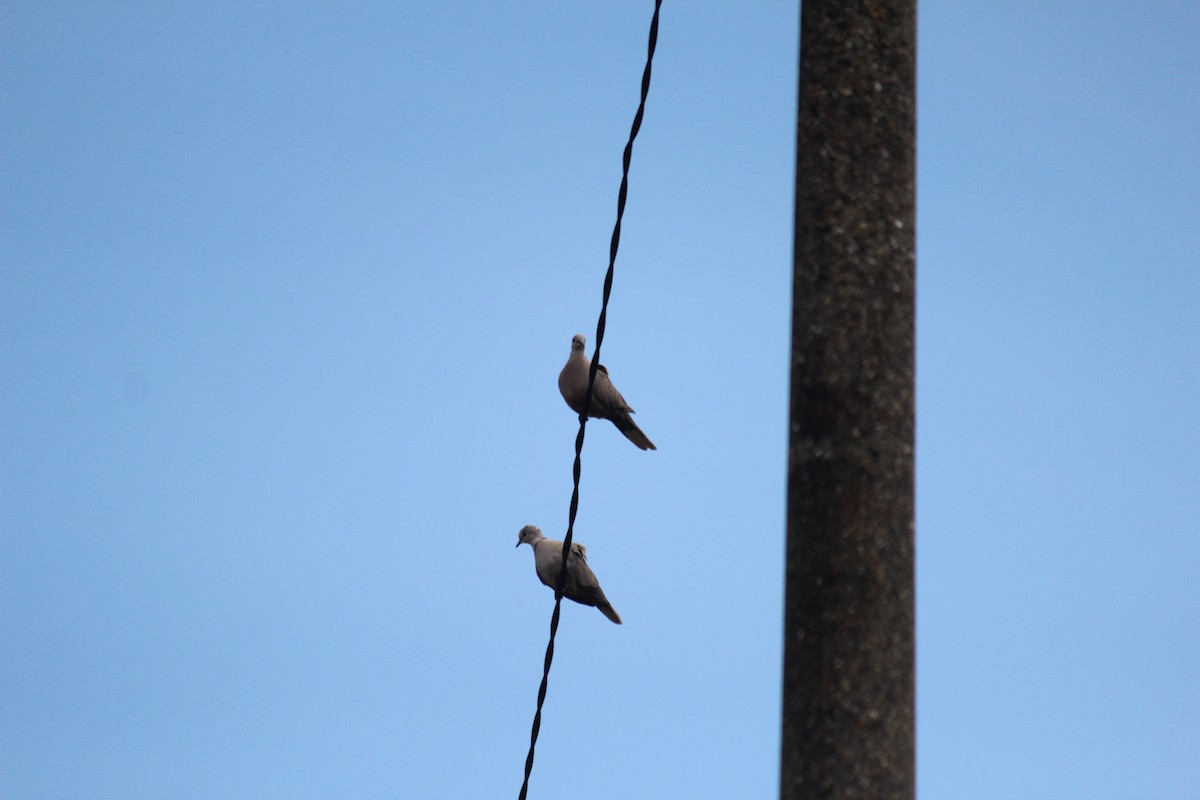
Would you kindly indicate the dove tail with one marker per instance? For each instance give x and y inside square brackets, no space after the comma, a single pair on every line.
[607,610]
[633,433]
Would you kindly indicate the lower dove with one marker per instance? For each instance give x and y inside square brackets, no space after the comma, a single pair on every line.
[607,402]
[581,584]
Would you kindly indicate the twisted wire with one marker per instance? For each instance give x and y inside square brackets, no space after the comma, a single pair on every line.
[587,397]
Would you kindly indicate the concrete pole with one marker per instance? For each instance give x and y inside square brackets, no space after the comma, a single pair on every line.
[848,693]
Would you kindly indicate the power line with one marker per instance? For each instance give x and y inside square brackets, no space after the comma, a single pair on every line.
[587,397]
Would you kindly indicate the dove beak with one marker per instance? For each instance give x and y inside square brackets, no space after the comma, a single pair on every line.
[518,544]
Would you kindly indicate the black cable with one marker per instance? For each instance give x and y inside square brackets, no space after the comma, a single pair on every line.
[587,396]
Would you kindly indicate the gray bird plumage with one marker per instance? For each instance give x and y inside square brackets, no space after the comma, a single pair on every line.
[581,584]
[607,403]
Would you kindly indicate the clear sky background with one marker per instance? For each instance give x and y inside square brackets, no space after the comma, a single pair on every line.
[284,292]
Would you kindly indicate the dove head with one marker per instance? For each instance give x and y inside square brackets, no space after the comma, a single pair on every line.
[578,341]
[530,534]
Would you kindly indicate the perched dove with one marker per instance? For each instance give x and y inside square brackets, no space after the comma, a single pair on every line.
[581,584]
[607,402]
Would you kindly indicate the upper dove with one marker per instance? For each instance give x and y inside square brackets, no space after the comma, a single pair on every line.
[607,402]
[581,584]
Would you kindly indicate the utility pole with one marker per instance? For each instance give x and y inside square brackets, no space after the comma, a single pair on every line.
[848,676]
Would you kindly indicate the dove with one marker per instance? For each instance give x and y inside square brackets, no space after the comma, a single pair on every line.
[607,402]
[581,584]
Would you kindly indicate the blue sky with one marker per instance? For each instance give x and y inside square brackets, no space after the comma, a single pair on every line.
[284,292]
